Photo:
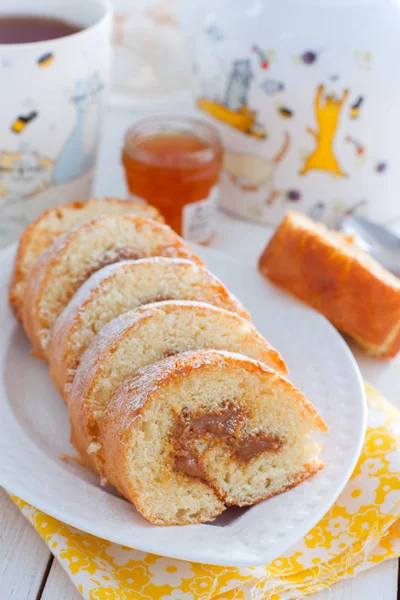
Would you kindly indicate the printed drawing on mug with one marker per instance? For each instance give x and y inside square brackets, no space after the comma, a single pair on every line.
[317,210]
[23,173]
[265,57]
[285,112]
[22,121]
[46,59]
[381,166]
[252,173]
[293,195]
[360,151]
[272,86]
[308,57]
[78,154]
[234,109]
[364,59]
[354,112]
[359,148]
[327,113]
[214,32]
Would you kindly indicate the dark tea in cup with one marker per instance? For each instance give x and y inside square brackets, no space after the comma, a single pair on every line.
[22,29]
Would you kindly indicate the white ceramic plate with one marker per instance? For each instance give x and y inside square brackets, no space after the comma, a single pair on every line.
[34,432]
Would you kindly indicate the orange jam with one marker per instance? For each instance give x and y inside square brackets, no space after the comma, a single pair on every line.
[175,165]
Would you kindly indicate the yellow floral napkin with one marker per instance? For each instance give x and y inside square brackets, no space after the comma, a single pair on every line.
[359,531]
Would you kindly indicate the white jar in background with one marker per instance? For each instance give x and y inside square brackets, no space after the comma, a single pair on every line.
[150,66]
[306,97]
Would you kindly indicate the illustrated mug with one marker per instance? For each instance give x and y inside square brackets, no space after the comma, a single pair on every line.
[305,96]
[50,111]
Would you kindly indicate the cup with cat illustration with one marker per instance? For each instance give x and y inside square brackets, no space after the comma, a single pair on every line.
[305,104]
[54,64]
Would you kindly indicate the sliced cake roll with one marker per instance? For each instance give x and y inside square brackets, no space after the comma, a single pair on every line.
[145,336]
[40,234]
[202,430]
[121,287]
[76,255]
[325,269]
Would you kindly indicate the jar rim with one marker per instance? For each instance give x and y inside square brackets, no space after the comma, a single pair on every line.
[151,126]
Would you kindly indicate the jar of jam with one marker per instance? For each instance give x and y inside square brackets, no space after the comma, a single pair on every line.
[175,163]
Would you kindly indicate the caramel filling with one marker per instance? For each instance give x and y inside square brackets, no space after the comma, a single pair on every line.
[253,445]
[113,256]
[187,462]
[225,425]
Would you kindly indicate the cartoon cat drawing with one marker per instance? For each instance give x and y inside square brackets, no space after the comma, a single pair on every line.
[238,85]
[23,173]
[327,112]
[252,173]
[234,110]
[78,154]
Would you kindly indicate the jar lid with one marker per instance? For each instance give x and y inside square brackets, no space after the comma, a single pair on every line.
[172,141]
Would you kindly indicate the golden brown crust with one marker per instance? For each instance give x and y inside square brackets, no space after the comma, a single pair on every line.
[120,479]
[36,324]
[337,279]
[36,238]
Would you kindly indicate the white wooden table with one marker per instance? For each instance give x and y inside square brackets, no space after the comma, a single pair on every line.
[27,568]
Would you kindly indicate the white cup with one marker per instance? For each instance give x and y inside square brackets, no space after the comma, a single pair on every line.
[51,97]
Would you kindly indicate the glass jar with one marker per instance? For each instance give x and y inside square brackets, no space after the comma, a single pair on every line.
[174,164]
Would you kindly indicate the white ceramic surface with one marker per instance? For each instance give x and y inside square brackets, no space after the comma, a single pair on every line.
[50,111]
[34,433]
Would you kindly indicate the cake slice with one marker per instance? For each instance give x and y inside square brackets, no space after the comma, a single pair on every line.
[144,336]
[326,270]
[203,430]
[76,255]
[118,288]
[40,234]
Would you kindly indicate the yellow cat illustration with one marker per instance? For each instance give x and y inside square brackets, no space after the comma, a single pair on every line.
[327,112]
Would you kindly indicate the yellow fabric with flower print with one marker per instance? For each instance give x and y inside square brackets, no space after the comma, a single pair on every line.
[360,530]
